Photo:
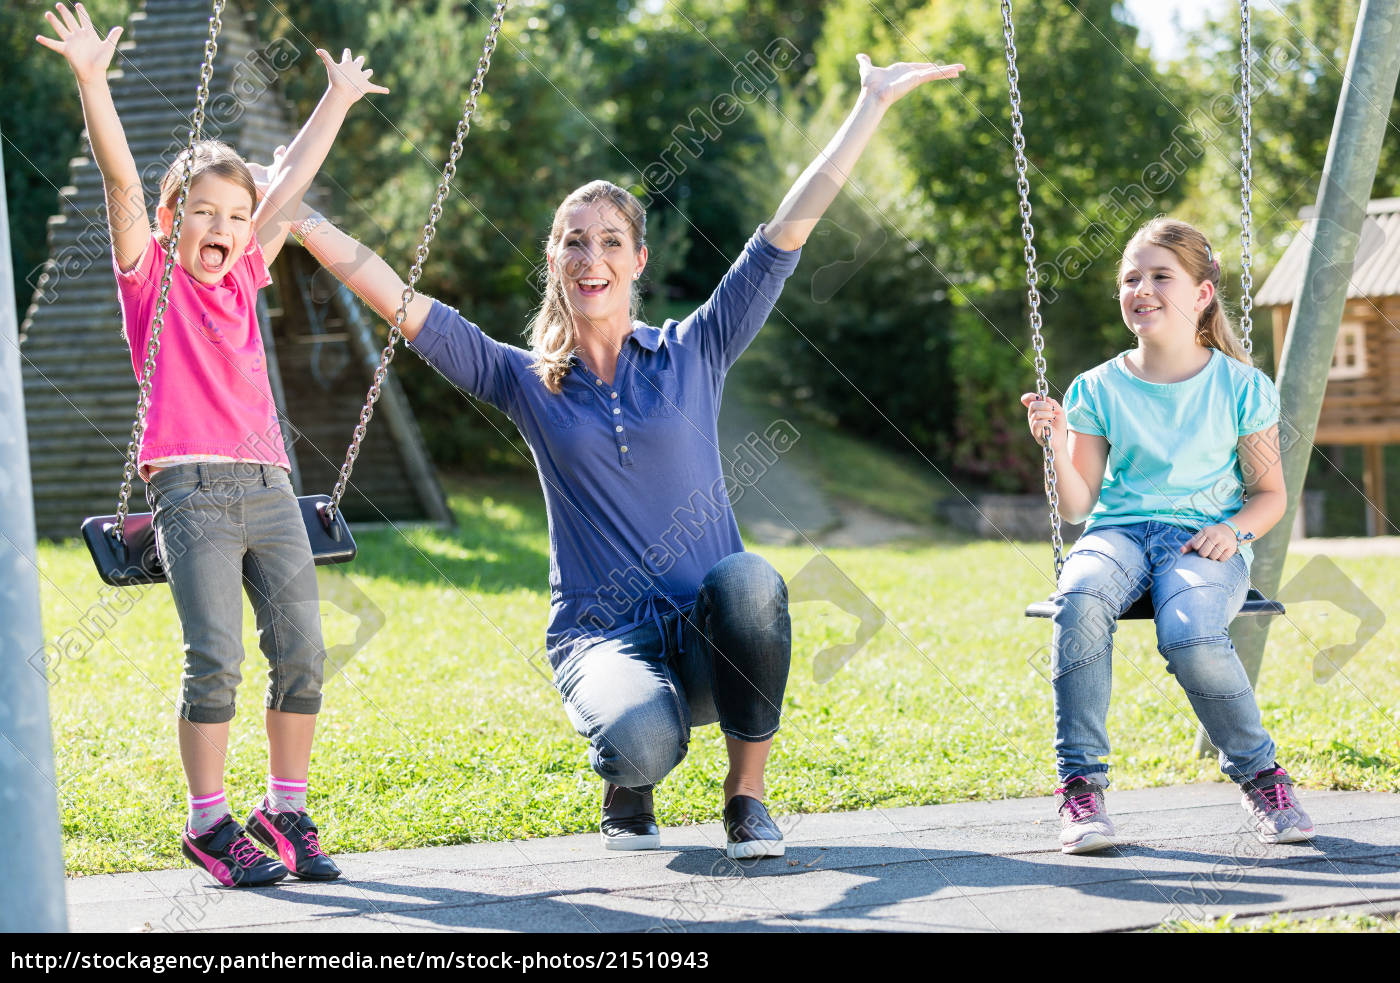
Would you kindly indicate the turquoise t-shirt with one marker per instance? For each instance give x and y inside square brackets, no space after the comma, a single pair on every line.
[1172,447]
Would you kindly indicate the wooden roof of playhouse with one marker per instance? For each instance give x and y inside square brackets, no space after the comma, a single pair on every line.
[1377,272]
[1362,402]
[79,390]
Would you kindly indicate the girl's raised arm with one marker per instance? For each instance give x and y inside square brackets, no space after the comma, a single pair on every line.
[88,55]
[817,187]
[348,82]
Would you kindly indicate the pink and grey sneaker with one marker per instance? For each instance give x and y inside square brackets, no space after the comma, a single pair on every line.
[1084,823]
[230,857]
[295,838]
[1277,816]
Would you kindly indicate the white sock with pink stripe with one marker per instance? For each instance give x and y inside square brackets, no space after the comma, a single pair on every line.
[285,794]
[206,811]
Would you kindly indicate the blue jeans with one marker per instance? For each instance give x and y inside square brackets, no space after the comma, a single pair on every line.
[1195,601]
[726,658]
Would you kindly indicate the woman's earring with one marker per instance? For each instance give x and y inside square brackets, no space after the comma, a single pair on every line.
[637,275]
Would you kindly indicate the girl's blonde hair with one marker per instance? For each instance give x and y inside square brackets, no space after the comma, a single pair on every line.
[553,334]
[1193,251]
[210,157]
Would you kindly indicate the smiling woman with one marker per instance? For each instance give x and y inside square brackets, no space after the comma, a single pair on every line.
[650,633]
[596,253]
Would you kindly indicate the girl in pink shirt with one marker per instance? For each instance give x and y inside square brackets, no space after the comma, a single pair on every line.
[225,517]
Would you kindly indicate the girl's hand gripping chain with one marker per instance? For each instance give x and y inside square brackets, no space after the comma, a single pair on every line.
[1079,464]
[1047,412]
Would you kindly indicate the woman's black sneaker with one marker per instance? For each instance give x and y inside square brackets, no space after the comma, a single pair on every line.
[230,857]
[297,841]
[629,819]
[749,830]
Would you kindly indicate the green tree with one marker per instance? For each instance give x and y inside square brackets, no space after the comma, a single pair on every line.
[1302,49]
[42,121]
[683,145]
[1099,126]
[540,130]
[1301,52]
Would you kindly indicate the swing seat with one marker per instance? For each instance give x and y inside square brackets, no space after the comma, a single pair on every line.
[1255,605]
[135,559]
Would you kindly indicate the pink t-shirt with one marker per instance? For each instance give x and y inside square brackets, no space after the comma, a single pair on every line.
[210,395]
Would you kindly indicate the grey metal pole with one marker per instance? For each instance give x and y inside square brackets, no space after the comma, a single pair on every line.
[31,853]
[1368,87]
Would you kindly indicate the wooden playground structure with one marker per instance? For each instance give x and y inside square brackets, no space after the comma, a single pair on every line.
[1362,403]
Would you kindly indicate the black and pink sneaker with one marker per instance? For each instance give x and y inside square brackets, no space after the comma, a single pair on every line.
[295,838]
[230,857]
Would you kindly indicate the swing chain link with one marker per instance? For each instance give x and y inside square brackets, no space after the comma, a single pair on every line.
[1023,188]
[143,399]
[1246,179]
[429,231]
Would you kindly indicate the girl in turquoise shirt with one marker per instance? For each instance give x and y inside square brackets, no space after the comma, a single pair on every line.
[1174,465]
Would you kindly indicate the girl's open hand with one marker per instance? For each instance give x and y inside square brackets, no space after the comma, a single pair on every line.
[349,78]
[1041,413]
[88,53]
[1215,542]
[892,82]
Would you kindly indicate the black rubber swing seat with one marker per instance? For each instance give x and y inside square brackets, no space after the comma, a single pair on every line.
[1256,605]
[135,560]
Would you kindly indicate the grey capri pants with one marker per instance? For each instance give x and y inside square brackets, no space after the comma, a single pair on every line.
[223,528]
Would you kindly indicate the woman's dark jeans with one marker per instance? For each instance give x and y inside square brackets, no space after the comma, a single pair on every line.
[636,696]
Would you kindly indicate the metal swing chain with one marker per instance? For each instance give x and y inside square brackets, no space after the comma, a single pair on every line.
[429,230]
[1246,180]
[1023,187]
[143,398]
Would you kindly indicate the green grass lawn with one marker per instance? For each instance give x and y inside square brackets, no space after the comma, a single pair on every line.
[1352,923]
[440,725]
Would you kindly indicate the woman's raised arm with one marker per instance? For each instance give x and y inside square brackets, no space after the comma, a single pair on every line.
[362,270]
[819,184]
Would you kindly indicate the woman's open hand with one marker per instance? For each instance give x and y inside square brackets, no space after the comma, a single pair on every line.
[891,83]
[265,174]
[87,52]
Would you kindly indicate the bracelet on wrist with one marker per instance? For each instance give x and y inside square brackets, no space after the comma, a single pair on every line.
[1240,535]
[300,230]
